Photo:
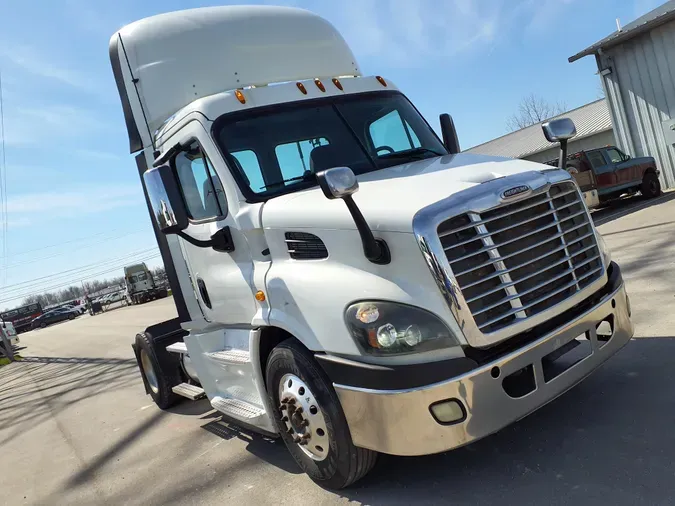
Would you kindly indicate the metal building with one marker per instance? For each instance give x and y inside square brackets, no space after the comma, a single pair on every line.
[594,130]
[637,67]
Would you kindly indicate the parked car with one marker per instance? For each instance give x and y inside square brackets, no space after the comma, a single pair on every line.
[613,173]
[54,316]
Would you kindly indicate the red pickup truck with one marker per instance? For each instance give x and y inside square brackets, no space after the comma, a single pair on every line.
[613,173]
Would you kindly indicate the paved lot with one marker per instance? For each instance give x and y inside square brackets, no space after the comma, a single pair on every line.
[76,427]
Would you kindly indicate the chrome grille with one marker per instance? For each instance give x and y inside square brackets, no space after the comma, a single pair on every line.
[516,260]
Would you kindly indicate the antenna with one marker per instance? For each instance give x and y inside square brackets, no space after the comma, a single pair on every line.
[618,25]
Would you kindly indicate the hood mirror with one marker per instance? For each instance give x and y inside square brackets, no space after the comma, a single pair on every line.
[560,130]
[341,183]
[337,182]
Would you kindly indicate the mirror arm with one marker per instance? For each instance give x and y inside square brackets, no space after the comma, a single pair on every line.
[220,241]
[563,154]
[168,154]
[375,250]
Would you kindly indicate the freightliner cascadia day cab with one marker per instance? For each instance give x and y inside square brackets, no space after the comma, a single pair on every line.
[344,279]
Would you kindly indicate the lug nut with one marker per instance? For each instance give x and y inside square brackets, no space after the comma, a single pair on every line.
[284,401]
[304,442]
[306,436]
[283,407]
[284,419]
[299,409]
[289,431]
[296,439]
[304,423]
[291,400]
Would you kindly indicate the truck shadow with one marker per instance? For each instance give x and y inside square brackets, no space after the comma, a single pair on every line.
[607,441]
[271,450]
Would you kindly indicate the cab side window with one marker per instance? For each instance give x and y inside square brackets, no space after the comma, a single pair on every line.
[615,155]
[202,190]
[596,159]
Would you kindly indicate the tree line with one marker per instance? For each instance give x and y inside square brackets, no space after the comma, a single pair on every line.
[89,287]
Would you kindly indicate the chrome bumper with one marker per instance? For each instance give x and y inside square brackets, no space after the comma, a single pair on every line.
[400,422]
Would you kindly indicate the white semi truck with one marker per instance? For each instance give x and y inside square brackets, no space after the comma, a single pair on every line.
[343,278]
[140,285]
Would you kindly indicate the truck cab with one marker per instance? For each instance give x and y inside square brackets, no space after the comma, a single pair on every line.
[344,278]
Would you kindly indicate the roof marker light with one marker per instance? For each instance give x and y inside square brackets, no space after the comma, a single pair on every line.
[319,85]
[381,80]
[337,83]
[240,96]
[301,87]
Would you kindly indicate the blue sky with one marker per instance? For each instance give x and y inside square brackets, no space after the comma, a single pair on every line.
[75,206]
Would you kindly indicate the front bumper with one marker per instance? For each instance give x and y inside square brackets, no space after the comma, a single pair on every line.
[400,422]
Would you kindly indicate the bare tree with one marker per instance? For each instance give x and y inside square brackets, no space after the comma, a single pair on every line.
[532,110]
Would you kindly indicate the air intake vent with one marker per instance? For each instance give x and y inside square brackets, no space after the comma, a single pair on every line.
[304,246]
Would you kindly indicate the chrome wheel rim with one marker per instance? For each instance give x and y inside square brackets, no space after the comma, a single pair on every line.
[302,417]
[149,372]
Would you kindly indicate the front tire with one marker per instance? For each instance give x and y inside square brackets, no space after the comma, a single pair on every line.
[311,421]
[651,186]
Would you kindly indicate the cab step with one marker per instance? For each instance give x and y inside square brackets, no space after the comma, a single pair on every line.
[237,408]
[231,356]
[192,392]
[178,347]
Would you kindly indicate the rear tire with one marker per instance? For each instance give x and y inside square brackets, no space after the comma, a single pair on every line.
[341,463]
[651,186]
[159,379]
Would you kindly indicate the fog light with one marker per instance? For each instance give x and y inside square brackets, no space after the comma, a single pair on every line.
[448,412]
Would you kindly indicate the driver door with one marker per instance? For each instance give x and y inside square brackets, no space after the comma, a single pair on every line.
[221,279]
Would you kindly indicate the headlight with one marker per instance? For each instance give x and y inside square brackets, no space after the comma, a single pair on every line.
[390,328]
[604,250]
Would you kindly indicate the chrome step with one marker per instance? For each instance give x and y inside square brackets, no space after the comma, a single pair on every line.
[236,408]
[192,392]
[229,356]
[178,347]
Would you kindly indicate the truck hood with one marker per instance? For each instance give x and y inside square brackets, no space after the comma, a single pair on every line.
[389,198]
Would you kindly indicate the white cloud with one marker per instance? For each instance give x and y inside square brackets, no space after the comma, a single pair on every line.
[101,156]
[39,207]
[42,66]
[34,125]
[407,33]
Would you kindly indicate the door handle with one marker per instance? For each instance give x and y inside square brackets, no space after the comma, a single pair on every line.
[204,292]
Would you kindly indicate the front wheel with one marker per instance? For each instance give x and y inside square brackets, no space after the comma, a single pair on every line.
[651,186]
[311,421]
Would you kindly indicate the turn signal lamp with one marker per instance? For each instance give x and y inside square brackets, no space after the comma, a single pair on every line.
[260,296]
[337,83]
[381,81]
[240,96]
[319,85]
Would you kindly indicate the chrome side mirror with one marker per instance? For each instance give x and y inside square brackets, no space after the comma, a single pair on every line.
[168,209]
[560,130]
[338,182]
[557,130]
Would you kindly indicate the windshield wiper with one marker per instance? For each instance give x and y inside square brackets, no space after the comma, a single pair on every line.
[307,176]
[412,153]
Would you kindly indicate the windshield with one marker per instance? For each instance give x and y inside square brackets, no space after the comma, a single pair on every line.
[278,150]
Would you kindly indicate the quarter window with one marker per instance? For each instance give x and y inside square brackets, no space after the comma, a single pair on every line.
[202,190]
